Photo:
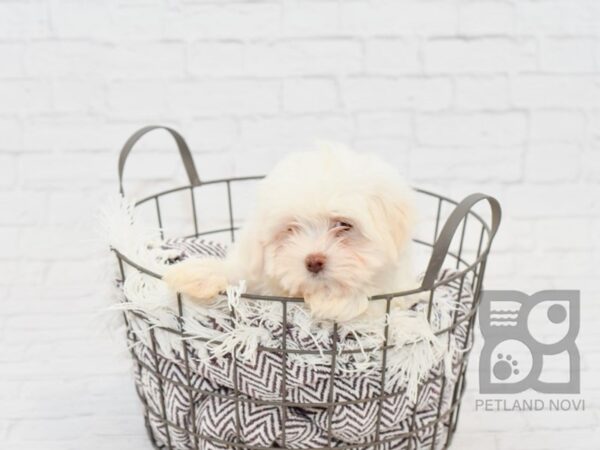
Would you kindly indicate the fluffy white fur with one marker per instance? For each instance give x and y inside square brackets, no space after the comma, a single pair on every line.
[348,214]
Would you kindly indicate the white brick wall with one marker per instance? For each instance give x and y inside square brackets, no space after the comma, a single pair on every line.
[501,96]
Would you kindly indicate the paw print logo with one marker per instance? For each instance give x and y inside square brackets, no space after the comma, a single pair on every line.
[505,367]
[524,333]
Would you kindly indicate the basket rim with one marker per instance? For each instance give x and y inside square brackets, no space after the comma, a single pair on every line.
[288,299]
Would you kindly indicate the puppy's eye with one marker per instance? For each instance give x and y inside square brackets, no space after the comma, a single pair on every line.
[342,226]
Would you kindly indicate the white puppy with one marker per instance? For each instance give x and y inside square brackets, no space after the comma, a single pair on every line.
[331,226]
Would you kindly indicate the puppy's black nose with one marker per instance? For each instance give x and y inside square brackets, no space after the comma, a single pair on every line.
[315,262]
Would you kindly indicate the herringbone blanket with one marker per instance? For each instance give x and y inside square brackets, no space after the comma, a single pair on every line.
[197,398]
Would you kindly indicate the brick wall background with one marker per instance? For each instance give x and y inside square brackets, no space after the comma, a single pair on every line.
[501,96]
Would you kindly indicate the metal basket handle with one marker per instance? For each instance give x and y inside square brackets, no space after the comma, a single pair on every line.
[442,243]
[184,152]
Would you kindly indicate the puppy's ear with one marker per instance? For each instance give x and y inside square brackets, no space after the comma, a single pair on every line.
[393,216]
[249,252]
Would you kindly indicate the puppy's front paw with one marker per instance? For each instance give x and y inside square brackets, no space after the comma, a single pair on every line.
[202,279]
[338,308]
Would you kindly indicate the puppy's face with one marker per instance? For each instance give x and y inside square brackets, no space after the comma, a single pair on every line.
[322,253]
[332,223]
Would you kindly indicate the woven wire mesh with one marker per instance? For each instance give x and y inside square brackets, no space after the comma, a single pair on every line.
[467,251]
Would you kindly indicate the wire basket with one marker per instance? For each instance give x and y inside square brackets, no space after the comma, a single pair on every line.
[456,235]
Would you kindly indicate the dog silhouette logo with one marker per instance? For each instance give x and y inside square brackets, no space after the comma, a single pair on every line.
[529,341]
